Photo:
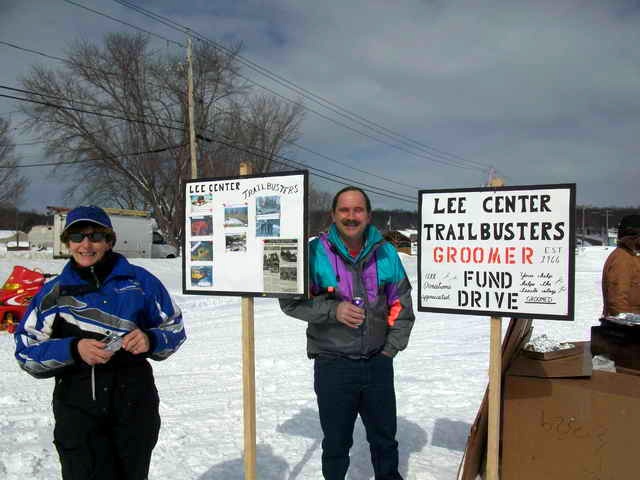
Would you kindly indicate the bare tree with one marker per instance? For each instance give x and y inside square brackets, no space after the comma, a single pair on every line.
[319,210]
[262,127]
[13,184]
[134,149]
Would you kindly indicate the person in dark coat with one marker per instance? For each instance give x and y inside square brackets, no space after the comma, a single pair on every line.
[93,328]
[621,271]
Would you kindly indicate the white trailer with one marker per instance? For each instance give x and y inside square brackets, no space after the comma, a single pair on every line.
[135,234]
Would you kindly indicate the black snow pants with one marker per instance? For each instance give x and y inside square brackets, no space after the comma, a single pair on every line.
[112,436]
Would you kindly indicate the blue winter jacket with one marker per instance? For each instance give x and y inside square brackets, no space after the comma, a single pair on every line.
[377,276]
[68,308]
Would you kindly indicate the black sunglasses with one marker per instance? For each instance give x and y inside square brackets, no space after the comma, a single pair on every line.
[93,237]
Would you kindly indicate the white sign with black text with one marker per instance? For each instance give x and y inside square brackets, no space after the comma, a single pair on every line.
[503,251]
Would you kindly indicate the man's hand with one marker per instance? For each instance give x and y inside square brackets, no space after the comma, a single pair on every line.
[92,351]
[136,342]
[349,314]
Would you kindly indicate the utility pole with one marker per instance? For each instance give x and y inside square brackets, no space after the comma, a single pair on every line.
[192,128]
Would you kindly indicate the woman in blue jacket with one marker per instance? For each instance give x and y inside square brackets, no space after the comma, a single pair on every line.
[93,328]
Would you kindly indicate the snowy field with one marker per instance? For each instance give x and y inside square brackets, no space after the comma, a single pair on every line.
[440,380]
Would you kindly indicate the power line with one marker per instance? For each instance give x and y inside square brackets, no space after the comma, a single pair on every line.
[185,30]
[332,177]
[331,159]
[102,14]
[332,106]
[252,150]
[28,50]
[76,64]
[85,160]
[301,147]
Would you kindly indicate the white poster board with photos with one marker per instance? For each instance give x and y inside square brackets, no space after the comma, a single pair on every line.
[499,251]
[246,235]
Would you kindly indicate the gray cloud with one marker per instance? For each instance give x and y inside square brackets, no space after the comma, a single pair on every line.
[547,91]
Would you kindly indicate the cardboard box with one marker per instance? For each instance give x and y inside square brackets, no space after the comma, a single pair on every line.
[571,428]
[621,347]
[577,365]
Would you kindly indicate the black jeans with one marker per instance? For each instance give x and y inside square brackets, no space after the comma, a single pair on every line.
[346,388]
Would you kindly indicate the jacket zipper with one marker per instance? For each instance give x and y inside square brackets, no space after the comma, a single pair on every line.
[357,271]
[359,287]
[95,277]
[93,367]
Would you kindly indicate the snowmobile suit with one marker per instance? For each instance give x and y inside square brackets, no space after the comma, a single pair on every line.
[107,418]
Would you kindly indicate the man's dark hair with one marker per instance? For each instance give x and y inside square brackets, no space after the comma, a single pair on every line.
[351,188]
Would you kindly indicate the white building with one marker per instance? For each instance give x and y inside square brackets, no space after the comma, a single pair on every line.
[41,237]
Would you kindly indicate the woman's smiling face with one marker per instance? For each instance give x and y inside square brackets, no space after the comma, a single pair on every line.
[88,251]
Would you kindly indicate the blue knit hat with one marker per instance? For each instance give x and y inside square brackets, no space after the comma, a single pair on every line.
[91,214]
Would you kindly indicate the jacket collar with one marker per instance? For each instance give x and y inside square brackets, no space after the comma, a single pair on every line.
[120,268]
[372,238]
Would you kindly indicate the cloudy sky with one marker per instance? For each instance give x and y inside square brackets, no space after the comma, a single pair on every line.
[544,92]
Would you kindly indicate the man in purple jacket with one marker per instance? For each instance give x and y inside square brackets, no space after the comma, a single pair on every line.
[360,315]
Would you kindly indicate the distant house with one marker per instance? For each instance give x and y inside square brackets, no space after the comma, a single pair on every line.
[12,237]
[41,237]
[5,235]
[14,240]
[405,241]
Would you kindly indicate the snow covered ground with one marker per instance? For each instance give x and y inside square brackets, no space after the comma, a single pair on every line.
[440,380]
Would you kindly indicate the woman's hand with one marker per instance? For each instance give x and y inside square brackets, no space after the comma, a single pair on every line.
[136,342]
[92,351]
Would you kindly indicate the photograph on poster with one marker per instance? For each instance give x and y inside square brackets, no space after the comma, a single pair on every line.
[271,263]
[202,276]
[289,273]
[201,200]
[202,251]
[235,242]
[268,205]
[236,215]
[201,225]
[289,255]
[268,227]
[280,268]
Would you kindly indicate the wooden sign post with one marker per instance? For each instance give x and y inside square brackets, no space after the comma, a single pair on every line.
[495,386]
[248,376]
[495,383]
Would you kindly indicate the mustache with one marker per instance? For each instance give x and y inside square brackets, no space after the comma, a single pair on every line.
[350,223]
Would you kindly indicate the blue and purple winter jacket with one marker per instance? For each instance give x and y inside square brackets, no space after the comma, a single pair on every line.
[376,275]
[67,308]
